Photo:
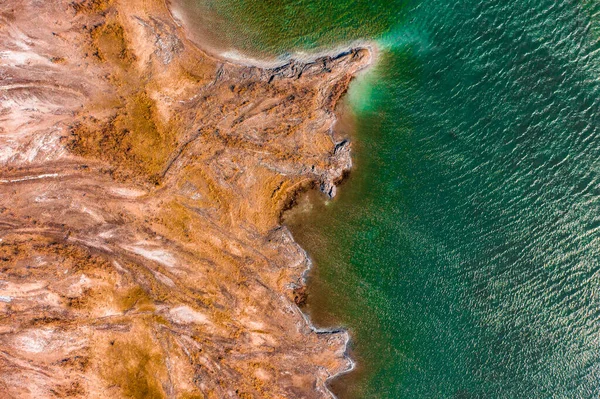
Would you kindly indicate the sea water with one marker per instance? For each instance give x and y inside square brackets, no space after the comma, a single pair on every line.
[463,253]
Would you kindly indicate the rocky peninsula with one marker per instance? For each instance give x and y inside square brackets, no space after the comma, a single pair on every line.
[142,183]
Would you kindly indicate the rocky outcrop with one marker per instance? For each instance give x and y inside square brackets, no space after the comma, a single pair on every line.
[141,186]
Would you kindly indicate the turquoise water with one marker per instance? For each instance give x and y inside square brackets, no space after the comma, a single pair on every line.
[464,251]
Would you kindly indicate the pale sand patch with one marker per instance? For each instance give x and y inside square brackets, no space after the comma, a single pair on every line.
[127,192]
[186,315]
[157,255]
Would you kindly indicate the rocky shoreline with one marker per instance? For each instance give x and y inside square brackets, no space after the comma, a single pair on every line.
[141,187]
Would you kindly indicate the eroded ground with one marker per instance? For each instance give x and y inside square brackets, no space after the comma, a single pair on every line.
[141,187]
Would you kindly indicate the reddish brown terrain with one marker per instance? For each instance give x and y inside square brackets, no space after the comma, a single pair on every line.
[141,188]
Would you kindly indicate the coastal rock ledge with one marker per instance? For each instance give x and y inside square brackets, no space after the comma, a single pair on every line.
[141,187]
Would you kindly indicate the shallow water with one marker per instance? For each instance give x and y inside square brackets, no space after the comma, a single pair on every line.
[463,253]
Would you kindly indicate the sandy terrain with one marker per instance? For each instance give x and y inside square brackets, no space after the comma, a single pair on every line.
[141,188]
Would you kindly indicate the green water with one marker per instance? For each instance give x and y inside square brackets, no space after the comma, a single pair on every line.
[464,251]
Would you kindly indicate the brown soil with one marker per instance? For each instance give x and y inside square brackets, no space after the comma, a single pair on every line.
[141,187]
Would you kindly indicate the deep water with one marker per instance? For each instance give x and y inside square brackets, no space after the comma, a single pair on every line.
[464,251]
